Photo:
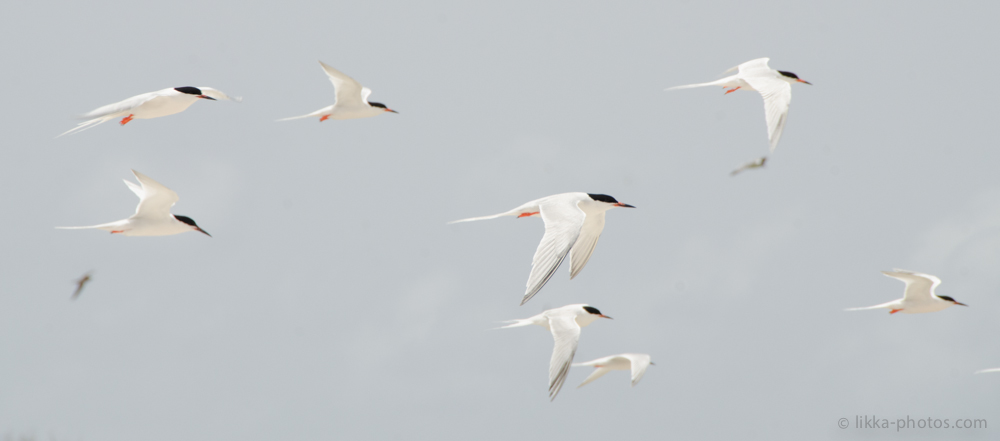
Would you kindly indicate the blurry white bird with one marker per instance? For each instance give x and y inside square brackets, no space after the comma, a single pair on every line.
[565,324]
[773,85]
[573,221]
[919,294]
[637,363]
[988,370]
[352,100]
[150,105]
[759,162]
[152,217]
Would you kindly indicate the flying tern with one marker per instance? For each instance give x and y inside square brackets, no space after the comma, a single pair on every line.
[774,85]
[573,223]
[759,162]
[152,217]
[150,105]
[352,100]
[637,363]
[79,285]
[988,370]
[565,324]
[919,294]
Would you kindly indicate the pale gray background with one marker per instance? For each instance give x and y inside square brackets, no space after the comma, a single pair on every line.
[334,303]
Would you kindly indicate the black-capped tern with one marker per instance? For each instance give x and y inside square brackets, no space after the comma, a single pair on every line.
[152,217]
[351,99]
[774,85]
[918,296]
[573,223]
[150,105]
[565,324]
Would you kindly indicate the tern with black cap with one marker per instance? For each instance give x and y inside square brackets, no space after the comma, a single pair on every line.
[352,100]
[150,105]
[565,324]
[573,223]
[918,296]
[152,217]
[774,85]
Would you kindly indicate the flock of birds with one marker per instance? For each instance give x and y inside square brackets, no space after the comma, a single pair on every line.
[573,221]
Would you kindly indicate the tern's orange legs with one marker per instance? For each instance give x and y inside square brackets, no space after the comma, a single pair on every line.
[731,90]
[527,214]
[324,118]
[126,119]
[894,311]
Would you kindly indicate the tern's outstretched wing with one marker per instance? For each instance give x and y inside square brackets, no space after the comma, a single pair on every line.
[155,200]
[349,92]
[111,111]
[593,225]
[640,362]
[919,287]
[566,333]
[777,96]
[563,221]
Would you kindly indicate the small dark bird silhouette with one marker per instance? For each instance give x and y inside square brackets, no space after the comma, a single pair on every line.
[79,285]
[759,162]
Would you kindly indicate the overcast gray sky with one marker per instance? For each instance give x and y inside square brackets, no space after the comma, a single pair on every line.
[333,301]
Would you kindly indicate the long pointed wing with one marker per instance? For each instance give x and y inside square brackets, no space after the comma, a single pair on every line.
[121,107]
[593,225]
[563,222]
[155,200]
[777,96]
[348,91]
[566,333]
[598,373]
[639,364]
[919,286]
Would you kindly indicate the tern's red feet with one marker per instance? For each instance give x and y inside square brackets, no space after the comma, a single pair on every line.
[324,118]
[731,90]
[117,231]
[894,311]
[527,214]
[126,119]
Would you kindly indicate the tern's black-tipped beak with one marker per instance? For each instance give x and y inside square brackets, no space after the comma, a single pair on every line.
[390,110]
[963,304]
[203,231]
[207,98]
[602,315]
[620,204]
[803,81]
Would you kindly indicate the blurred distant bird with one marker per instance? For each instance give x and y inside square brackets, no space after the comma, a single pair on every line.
[774,85]
[79,285]
[152,217]
[565,324]
[573,221]
[759,162]
[988,370]
[919,294]
[352,100]
[637,363]
[150,105]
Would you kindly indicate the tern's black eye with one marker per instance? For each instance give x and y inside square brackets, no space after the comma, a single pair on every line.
[592,310]
[189,90]
[788,74]
[603,198]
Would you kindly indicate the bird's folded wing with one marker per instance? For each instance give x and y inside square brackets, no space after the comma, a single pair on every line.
[347,90]
[563,222]
[593,225]
[777,97]
[566,333]
[155,200]
[121,107]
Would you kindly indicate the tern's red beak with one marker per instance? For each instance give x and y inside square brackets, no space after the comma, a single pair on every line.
[803,81]
[963,304]
[624,205]
[390,110]
[206,97]
[602,315]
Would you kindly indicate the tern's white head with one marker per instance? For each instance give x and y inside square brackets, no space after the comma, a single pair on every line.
[606,202]
[791,78]
[190,222]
